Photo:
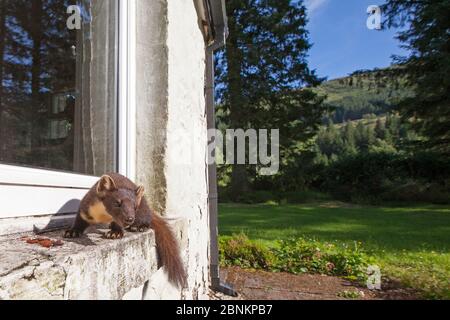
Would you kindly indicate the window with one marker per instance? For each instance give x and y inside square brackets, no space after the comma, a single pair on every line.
[58,93]
[63,109]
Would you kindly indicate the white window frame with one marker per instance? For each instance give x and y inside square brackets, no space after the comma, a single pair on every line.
[30,192]
[127,89]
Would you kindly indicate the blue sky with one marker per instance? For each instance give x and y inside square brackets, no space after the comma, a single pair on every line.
[342,43]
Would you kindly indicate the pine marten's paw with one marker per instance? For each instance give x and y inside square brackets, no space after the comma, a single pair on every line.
[71,234]
[142,228]
[113,234]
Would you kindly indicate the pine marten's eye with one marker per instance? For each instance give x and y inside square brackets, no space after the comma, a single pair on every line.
[117,203]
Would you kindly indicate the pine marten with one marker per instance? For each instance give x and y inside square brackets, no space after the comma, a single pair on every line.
[117,200]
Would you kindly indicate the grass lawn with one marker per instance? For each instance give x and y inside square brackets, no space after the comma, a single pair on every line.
[410,243]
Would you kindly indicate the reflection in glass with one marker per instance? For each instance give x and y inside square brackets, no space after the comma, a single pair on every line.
[57,86]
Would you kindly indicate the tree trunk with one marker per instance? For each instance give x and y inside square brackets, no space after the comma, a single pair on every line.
[239,182]
[239,177]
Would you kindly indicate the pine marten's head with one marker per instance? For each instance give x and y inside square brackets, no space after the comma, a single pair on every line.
[120,203]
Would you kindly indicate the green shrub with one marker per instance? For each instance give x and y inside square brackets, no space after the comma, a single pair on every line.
[350,294]
[311,256]
[419,192]
[306,196]
[374,177]
[252,197]
[240,251]
[296,256]
[261,196]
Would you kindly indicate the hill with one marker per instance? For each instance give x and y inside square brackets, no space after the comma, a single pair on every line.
[361,94]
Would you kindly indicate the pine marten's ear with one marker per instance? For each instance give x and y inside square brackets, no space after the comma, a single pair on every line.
[106,183]
[139,195]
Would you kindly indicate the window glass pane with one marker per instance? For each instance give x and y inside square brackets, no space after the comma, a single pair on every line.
[58,84]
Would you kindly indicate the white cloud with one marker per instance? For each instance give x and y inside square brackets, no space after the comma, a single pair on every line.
[314,5]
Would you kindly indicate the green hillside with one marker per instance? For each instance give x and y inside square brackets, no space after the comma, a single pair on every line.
[363,116]
[361,94]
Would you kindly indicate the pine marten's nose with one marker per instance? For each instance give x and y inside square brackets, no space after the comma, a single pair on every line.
[129,220]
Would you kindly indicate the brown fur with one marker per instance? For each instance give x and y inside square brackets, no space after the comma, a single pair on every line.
[169,253]
[116,199]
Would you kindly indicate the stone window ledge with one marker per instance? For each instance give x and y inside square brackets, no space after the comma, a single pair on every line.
[86,268]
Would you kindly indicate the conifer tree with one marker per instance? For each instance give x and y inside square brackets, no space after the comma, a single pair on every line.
[427,66]
[263,76]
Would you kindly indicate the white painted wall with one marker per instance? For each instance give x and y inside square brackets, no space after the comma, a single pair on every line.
[186,166]
[179,187]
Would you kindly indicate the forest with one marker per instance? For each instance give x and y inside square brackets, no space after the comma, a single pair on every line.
[365,150]
[375,135]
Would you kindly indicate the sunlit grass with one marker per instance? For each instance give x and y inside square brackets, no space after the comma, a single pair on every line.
[410,243]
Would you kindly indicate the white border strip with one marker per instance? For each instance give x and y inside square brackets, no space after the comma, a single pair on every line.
[123,86]
[127,87]
[44,178]
[131,106]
